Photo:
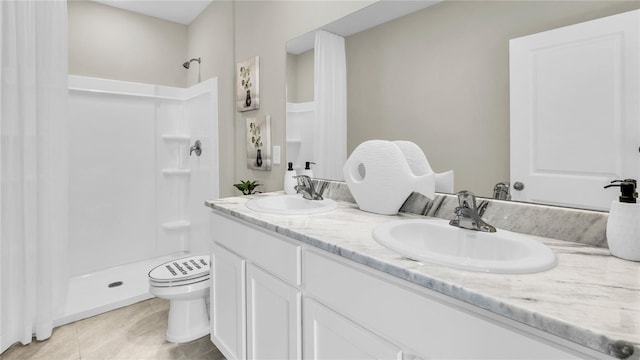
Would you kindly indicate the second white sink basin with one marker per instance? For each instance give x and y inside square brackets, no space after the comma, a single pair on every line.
[435,241]
[290,205]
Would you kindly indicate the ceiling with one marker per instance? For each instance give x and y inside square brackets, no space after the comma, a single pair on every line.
[180,11]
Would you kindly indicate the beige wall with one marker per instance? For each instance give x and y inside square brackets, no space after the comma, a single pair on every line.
[440,78]
[210,37]
[292,78]
[262,28]
[300,77]
[106,42]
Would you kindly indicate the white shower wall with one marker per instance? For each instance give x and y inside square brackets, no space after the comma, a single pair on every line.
[300,126]
[135,193]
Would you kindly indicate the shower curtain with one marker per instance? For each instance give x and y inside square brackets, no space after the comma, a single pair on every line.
[33,168]
[330,92]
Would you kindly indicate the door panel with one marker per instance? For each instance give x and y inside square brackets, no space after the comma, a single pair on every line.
[574,112]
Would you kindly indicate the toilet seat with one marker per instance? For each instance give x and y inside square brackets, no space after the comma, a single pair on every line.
[181,272]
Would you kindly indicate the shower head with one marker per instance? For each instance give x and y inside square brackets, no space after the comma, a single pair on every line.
[188,63]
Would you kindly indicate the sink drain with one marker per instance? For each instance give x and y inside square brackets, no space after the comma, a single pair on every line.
[115,284]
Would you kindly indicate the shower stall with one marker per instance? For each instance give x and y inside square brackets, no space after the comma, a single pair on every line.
[136,191]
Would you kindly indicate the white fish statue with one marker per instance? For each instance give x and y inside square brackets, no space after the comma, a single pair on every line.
[380,177]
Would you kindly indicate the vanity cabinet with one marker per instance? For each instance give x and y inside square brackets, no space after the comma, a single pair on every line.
[273,317]
[256,307]
[228,329]
[329,335]
[275,297]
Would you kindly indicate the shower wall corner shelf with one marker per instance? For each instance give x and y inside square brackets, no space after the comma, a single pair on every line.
[178,225]
[178,172]
[176,138]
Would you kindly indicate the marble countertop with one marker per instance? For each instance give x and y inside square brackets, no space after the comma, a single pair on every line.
[590,297]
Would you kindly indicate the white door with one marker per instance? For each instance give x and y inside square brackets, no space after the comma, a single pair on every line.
[273,317]
[574,111]
[228,304]
[328,335]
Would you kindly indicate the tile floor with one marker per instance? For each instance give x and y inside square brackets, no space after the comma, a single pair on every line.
[135,332]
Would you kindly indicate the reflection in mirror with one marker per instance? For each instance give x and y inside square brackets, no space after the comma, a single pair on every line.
[316,89]
[439,77]
[316,130]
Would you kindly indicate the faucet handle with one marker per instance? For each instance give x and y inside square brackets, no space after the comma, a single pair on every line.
[306,187]
[303,180]
[466,199]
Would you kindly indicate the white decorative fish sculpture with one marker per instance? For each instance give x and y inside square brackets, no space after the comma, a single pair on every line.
[420,165]
[380,177]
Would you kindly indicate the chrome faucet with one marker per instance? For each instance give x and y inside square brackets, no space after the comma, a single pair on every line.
[305,186]
[501,191]
[467,214]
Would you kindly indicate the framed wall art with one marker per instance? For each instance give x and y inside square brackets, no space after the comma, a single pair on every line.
[259,143]
[248,84]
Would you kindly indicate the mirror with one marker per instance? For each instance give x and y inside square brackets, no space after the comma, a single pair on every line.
[439,77]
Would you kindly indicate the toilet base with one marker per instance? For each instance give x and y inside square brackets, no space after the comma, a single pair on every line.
[188,320]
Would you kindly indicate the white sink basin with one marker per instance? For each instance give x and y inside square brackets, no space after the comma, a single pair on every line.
[290,205]
[435,241]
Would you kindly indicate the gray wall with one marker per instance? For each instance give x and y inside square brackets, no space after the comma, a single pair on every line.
[110,43]
[440,78]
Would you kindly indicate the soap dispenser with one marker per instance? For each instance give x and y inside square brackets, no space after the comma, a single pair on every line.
[290,181]
[623,224]
[307,169]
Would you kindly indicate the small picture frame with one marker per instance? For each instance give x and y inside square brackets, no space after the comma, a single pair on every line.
[248,84]
[259,143]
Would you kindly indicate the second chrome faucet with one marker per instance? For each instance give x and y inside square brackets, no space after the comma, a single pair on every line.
[467,216]
[305,186]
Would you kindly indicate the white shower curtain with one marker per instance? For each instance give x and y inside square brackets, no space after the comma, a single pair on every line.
[330,72]
[33,168]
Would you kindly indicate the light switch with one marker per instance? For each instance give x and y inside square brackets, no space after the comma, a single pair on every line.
[276,155]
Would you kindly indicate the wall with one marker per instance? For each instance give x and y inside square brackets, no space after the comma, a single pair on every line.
[111,43]
[262,28]
[440,78]
[229,32]
[302,71]
[116,44]
[210,37]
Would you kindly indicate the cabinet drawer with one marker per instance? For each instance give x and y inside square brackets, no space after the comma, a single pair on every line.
[273,252]
[420,321]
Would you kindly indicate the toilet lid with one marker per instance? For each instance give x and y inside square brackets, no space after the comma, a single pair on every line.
[185,268]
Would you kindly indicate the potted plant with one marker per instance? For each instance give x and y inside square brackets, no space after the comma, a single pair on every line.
[247,187]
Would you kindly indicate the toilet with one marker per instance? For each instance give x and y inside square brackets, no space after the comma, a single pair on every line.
[185,283]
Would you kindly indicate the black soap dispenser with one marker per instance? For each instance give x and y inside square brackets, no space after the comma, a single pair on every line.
[623,223]
[290,181]
[307,169]
[628,190]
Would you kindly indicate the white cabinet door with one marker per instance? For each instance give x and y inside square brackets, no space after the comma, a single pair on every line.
[273,317]
[328,335]
[228,304]
[575,111]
